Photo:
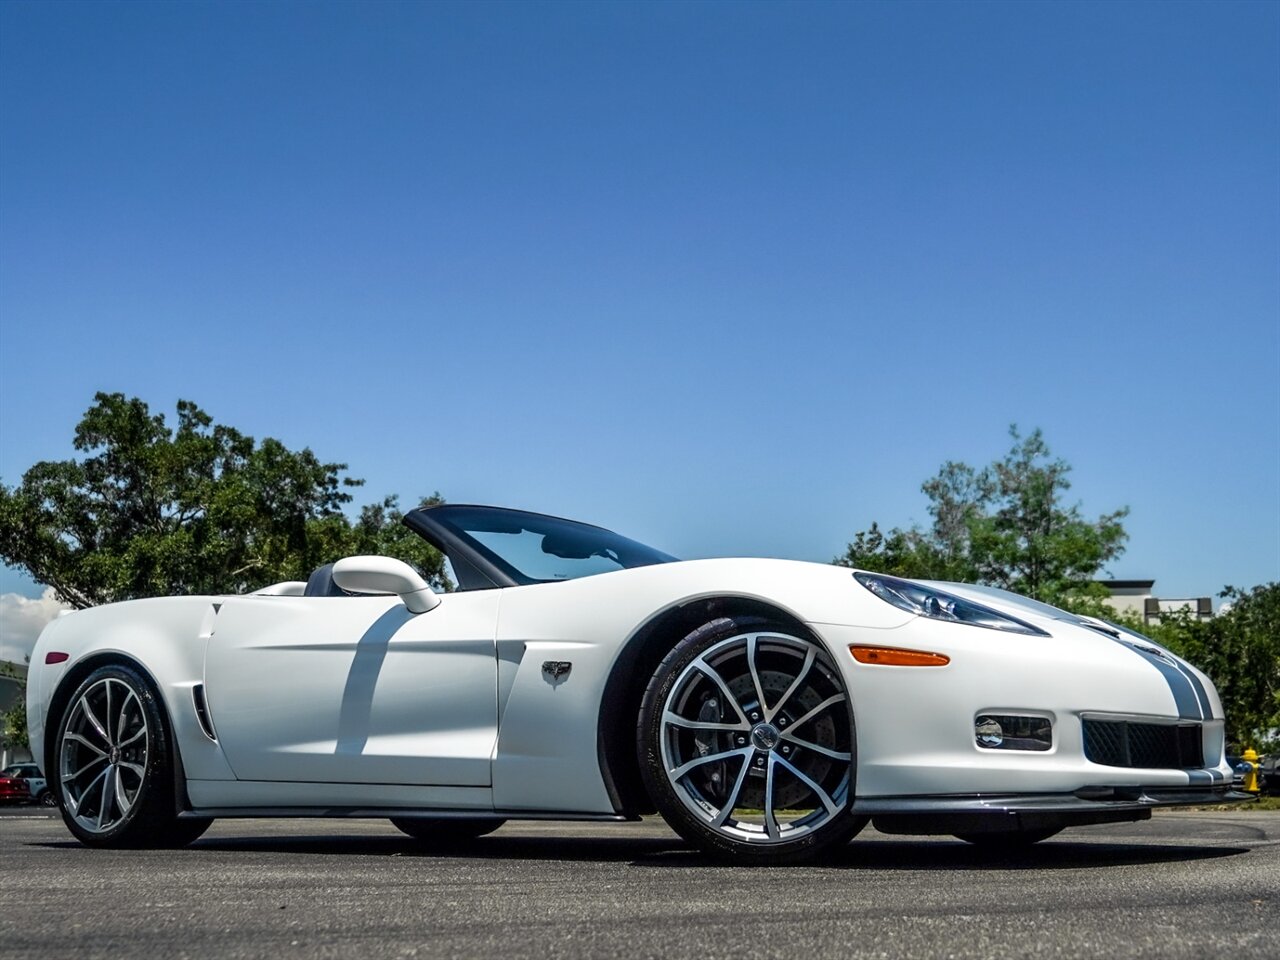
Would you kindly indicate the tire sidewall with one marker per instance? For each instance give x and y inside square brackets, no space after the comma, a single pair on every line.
[648,744]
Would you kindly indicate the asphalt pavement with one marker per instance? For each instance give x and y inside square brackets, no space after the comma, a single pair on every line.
[1180,885]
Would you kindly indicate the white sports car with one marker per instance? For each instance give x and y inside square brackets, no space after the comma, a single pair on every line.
[767,708]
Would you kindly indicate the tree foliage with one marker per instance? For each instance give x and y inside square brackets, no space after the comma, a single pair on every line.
[199,508]
[1005,525]
[1240,651]
[13,722]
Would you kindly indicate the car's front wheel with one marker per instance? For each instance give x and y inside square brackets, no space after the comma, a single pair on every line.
[47,799]
[746,743]
[113,765]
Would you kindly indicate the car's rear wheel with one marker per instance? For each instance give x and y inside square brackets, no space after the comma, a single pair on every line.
[114,765]
[446,831]
[47,799]
[1008,841]
[746,743]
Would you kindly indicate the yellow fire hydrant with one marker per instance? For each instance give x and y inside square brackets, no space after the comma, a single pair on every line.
[1250,757]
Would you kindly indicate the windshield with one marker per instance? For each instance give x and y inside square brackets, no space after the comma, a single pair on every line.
[539,549]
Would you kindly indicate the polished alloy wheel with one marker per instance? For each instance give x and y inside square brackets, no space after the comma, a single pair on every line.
[103,757]
[756,738]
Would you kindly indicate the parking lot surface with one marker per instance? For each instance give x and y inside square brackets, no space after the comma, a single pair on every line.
[1181,885]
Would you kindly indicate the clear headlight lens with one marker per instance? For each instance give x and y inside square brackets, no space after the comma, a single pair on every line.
[939,605]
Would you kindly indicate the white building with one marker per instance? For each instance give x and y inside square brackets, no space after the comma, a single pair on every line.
[1136,597]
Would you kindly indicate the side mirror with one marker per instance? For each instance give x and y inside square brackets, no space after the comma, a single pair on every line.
[384,575]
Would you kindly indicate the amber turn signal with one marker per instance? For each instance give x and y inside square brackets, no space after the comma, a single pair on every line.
[897,657]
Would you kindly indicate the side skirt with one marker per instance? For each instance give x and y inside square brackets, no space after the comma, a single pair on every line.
[378,813]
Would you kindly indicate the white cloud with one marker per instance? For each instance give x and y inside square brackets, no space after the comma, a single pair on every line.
[22,619]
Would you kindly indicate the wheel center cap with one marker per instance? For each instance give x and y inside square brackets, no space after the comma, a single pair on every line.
[115,755]
[765,736]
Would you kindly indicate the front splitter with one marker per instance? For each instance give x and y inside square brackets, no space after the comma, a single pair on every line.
[1004,813]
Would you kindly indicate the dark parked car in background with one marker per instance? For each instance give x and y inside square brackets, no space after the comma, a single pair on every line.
[1270,774]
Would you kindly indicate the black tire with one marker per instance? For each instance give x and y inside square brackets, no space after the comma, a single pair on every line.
[1008,841]
[446,831]
[759,659]
[117,788]
[47,799]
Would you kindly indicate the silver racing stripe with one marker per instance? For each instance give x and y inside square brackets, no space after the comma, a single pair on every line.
[1184,694]
[1188,692]
[1197,686]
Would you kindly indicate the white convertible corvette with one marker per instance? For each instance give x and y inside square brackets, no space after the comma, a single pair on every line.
[766,708]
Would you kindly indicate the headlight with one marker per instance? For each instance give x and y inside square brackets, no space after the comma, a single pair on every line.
[938,605]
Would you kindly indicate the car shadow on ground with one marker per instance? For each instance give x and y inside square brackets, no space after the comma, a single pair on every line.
[670,853]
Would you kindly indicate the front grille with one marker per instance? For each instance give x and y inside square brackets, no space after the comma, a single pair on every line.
[1122,743]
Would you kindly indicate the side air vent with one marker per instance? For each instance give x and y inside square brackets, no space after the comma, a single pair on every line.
[202,711]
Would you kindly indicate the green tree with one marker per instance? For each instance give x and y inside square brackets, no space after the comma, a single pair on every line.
[1005,525]
[1240,651]
[200,508]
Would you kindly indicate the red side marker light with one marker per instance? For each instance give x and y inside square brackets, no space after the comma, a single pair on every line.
[56,657]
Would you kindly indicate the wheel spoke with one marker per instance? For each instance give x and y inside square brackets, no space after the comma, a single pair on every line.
[106,727]
[755,675]
[84,794]
[817,748]
[67,778]
[832,807]
[133,768]
[771,827]
[809,656]
[122,798]
[142,732]
[124,716]
[709,671]
[93,721]
[727,810]
[676,720]
[108,796]
[838,698]
[83,742]
[684,768]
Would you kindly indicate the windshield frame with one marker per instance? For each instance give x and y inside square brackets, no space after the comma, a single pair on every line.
[478,567]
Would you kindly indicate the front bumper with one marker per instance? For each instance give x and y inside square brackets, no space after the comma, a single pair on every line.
[1002,813]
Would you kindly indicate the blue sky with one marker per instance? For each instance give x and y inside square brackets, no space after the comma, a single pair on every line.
[730,278]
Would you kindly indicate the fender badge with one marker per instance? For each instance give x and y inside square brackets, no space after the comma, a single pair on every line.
[556,670]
